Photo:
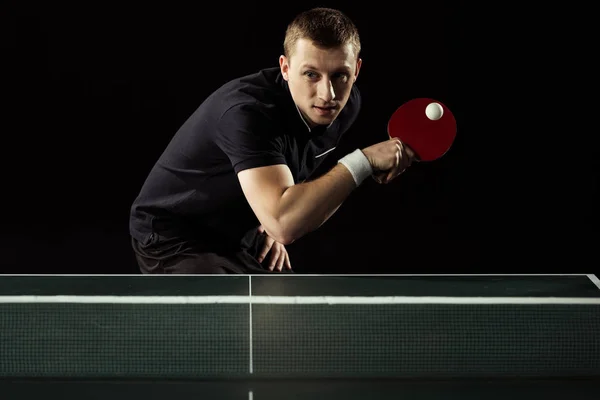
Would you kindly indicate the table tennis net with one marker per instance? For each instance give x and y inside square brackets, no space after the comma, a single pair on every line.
[200,337]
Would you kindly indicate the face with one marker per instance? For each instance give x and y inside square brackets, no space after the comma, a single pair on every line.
[320,80]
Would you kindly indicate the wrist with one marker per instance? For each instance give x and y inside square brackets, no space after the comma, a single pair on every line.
[358,165]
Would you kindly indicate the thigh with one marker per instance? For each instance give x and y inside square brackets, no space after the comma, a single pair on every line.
[182,264]
[165,256]
[181,257]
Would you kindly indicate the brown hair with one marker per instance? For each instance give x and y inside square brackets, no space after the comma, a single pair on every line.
[326,27]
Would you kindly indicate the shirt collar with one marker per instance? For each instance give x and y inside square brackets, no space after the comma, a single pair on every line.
[306,123]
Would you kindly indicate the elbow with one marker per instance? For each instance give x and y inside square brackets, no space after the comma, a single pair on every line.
[285,236]
[287,239]
[284,233]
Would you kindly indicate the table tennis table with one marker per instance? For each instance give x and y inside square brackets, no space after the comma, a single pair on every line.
[300,336]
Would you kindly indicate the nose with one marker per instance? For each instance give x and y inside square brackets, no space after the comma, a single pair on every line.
[326,92]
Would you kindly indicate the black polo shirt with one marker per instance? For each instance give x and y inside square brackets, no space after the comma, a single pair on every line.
[193,191]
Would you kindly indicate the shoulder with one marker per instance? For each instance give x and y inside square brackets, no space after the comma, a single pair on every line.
[262,89]
[253,102]
[251,99]
[248,127]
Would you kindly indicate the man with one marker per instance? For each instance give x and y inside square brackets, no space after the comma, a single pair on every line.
[234,186]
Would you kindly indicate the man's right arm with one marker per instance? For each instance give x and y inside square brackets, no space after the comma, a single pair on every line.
[289,211]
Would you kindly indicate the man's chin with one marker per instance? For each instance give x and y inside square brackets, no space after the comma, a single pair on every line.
[321,117]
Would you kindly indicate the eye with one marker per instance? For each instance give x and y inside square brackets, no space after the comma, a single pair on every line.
[342,77]
[310,74]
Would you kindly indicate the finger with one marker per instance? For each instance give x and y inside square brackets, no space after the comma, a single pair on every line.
[378,177]
[288,263]
[275,253]
[411,154]
[261,229]
[391,175]
[398,164]
[281,261]
[268,243]
[406,158]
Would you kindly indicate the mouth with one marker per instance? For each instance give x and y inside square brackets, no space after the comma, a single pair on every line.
[325,110]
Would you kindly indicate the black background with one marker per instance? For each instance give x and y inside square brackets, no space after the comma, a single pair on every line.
[94,92]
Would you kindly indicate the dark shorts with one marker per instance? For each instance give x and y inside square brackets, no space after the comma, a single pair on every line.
[163,255]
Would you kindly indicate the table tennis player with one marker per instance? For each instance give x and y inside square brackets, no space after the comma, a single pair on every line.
[235,185]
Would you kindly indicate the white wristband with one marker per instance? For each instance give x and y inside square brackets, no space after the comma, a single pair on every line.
[358,165]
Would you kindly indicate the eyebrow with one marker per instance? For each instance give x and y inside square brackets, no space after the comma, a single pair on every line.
[341,69]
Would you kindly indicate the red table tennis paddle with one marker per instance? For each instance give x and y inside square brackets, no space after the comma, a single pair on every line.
[425,125]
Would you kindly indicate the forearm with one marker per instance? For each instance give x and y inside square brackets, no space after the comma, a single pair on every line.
[306,206]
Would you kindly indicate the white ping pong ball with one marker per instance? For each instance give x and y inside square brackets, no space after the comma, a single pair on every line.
[434,111]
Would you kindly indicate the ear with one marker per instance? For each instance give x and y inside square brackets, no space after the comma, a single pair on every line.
[284,66]
[358,65]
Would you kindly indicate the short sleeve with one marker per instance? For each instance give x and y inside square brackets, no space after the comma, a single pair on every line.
[250,138]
